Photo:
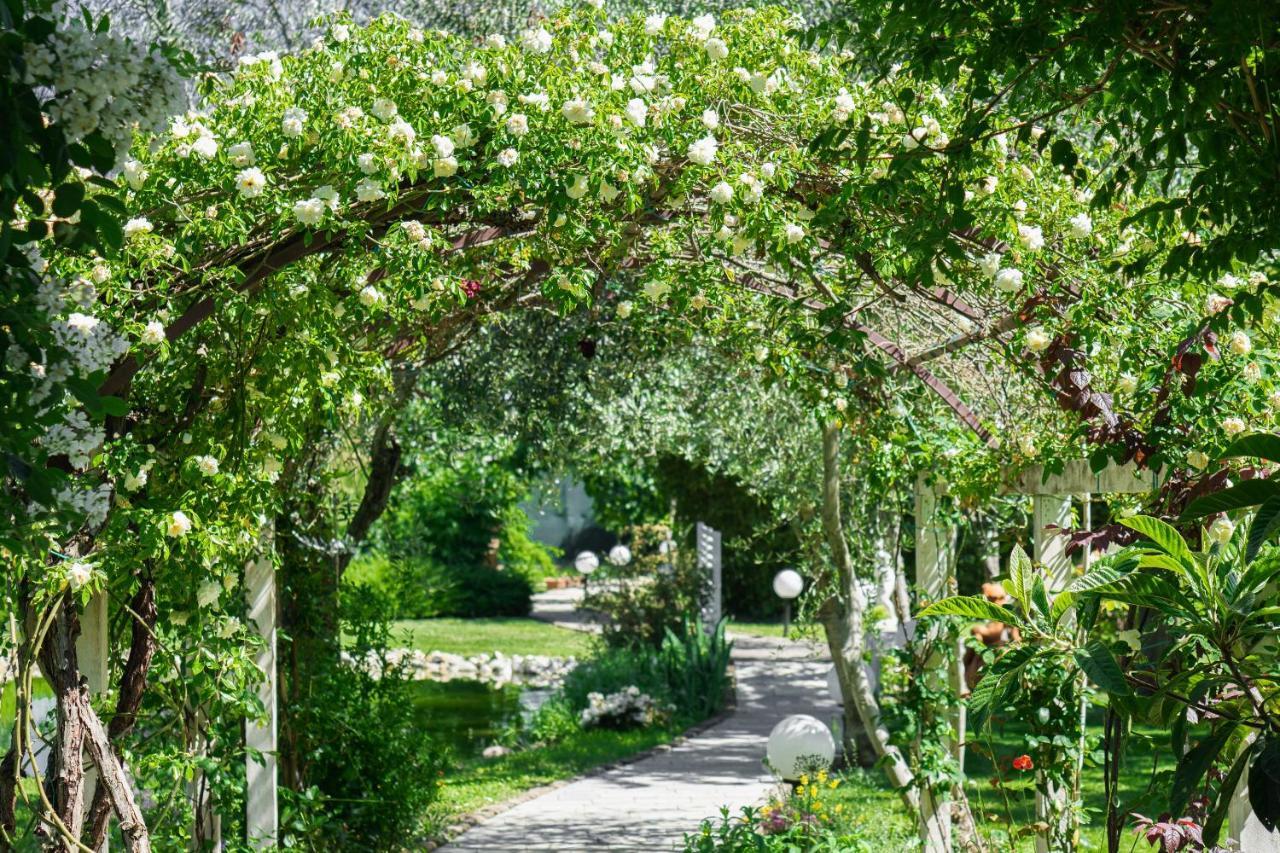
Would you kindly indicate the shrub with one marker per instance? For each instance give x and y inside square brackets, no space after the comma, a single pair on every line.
[554,721]
[420,588]
[483,591]
[375,771]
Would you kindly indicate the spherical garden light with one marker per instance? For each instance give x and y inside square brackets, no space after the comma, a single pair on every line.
[619,555]
[787,584]
[586,562]
[800,744]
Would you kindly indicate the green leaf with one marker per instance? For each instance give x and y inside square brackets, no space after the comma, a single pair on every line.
[1262,445]
[1165,537]
[114,406]
[972,606]
[1062,602]
[67,199]
[1247,493]
[1100,665]
[1021,572]
[1264,783]
[1193,766]
[1264,525]
[1103,573]
[1226,792]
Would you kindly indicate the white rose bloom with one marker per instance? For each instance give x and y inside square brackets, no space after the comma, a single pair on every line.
[536,99]
[990,264]
[703,151]
[401,131]
[1198,460]
[1228,281]
[722,193]
[443,145]
[988,185]
[1127,383]
[206,146]
[445,167]
[1019,209]
[134,173]
[507,157]
[340,32]
[794,232]
[153,334]
[1252,371]
[439,77]
[608,192]
[625,309]
[1038,339]
[653,24]
[242,154]
[844,107]
[710,119]
[1009,280]
[536,40]
[133,482]
[463,136]
[370,296]
[518,124]
[578,188]
[637,110]
[367,162]
[369,190]
[207,465]
[1081,226]
[702,26]
[309,211]
[251,182]
[77,575]
[1221,530]
[717,49]
[385,108]
[138,225]
[1273,399]
[912,140]
[1027,445]
[495,41]
[1239,342]
[327,196]
[577,111]
[292,122]
[476,73]
[1233,426]
[1031,237]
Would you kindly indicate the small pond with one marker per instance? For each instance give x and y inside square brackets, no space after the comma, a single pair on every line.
[467,716]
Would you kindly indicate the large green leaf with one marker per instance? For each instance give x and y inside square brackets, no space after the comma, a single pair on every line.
[1100,665]
[1103,573]
[1247,493]
[1265,524]
[972,606]
[1165,537]
[1021,571]
[1193,766]
[1264,783]
[1263,445]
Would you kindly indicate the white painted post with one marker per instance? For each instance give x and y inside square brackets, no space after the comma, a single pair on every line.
[710,561]
[1050,511]
[934,578]
[91,654]
[261,808]
[1243,826]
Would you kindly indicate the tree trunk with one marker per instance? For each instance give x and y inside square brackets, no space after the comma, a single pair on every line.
[843,619]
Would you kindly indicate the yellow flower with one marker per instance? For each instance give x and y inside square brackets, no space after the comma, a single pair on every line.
[839,808]
[804,780]
[835,783]
[822,776]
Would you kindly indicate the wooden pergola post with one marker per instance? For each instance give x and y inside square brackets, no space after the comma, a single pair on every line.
[262,824]
[935,579]
[91,656]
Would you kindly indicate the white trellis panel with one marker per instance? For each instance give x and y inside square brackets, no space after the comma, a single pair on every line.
[710,561]
[261,805]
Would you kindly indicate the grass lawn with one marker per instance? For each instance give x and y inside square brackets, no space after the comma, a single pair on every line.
[758,629]
[510,636]
[478,783]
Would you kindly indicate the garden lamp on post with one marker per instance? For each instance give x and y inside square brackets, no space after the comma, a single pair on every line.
[586,563]
[787,585]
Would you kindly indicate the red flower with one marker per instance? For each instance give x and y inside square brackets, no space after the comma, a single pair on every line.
[1023,762]
[471,288]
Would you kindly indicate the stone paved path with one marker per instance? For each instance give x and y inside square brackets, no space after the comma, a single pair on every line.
[649,805]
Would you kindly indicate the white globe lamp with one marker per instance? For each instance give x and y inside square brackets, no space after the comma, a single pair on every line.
[800,744]
[586,562]
[787,584]
[619,555]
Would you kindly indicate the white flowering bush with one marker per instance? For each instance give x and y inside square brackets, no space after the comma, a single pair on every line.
[627,708]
